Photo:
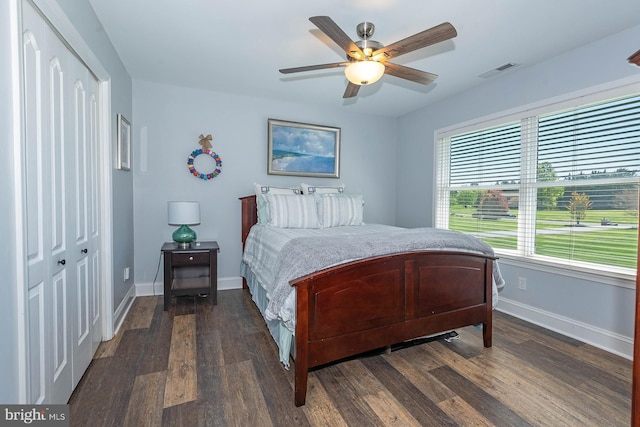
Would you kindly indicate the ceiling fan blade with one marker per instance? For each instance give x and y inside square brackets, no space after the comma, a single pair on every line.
[351,90]
[313,67]
[335,33]
[437,34]
[635,58]
[408,73]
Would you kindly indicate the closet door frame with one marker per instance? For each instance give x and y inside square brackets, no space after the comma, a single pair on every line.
[56,16]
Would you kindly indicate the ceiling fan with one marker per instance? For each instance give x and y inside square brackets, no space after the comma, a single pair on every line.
[367,59]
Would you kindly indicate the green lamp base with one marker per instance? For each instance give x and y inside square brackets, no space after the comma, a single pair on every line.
[183,236]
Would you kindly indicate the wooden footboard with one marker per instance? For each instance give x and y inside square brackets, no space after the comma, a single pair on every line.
[372,303]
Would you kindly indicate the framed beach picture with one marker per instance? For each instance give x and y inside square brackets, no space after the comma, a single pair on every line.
[301,149]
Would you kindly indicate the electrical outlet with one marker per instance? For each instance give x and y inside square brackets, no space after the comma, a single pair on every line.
[522,283]
[126,273]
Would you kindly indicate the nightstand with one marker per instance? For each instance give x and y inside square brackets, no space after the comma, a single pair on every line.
[190,271]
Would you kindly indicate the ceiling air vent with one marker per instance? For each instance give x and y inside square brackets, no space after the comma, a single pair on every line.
[498,70]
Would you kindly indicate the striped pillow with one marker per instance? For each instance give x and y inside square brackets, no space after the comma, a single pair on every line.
[289,211]
[335,210]
[261,190]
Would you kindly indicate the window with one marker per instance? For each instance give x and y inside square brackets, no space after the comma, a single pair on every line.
[557,186]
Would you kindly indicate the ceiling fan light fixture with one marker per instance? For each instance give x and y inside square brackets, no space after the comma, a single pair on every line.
[364,72]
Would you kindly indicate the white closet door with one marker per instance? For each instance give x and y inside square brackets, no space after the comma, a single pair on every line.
[60,205]
[83,231]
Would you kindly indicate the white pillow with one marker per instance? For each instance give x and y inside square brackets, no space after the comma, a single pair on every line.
[290,211]
[319,189]
[261,190]
[336,210]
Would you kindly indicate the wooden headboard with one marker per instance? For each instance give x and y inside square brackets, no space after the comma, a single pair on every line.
[249,215]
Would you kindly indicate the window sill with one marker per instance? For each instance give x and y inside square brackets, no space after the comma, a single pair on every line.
[613,276]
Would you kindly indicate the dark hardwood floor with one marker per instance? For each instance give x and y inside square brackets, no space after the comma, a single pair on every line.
[204,365]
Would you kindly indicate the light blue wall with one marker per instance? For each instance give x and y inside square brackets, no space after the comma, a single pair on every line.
[603,306]
[173,117]
[86,22]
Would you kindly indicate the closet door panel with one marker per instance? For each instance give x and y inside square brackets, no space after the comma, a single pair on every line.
[34,204]
[78,169]
[82,345]
[60,294]
[56,157]
[80,176]
[37,356]
[38,81]
[59,327]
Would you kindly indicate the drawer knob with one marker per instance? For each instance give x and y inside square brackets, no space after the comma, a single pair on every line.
[190,258]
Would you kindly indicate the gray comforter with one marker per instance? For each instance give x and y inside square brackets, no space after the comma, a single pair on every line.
[304,255]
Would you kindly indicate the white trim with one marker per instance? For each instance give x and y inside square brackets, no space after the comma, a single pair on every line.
[15,18]
[597,337]
[148,289]
[123,310]
[582,272]
[106,210]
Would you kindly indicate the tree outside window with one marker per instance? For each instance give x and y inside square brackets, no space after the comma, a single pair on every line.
[578,206]
[548,196]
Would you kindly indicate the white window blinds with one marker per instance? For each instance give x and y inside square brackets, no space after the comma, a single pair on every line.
[562,185]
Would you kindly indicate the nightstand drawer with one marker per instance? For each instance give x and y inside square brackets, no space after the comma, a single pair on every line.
[191,258]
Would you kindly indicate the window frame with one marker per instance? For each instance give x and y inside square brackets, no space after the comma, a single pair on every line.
[527,115]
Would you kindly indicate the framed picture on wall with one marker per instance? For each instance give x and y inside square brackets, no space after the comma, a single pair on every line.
[124,143]
[301,149]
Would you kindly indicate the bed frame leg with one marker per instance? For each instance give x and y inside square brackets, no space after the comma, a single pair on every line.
[486,334]
[301,384]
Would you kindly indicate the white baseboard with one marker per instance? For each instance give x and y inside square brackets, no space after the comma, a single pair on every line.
[123,309]
[597,337]
[149,288]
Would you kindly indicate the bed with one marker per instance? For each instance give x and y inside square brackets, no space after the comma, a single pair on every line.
[354,306]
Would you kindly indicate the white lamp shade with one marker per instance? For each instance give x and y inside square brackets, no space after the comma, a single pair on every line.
[364,72]
[184,213]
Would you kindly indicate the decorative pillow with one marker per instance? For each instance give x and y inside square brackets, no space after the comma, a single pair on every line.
[339,209]
[261,190]
[319,189]
[263,214]
[290,211]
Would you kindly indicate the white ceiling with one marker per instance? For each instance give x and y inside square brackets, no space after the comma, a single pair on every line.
[238,46]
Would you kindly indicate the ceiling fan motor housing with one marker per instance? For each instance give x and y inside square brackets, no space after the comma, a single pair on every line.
[365,30]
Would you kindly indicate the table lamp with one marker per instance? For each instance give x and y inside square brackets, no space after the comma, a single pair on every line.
[184,214]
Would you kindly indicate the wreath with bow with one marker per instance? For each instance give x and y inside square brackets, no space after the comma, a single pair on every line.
[205,143]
